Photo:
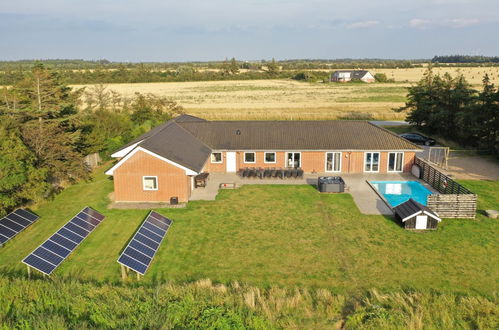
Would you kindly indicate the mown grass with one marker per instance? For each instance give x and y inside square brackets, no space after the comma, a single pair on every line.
[276,235]
[41,304]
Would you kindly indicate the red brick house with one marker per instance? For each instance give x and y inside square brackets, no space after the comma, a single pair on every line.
[163,162]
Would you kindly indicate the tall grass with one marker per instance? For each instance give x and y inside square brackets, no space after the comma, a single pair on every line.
[60,304]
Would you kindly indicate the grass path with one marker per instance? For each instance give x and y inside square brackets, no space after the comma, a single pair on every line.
[275,234]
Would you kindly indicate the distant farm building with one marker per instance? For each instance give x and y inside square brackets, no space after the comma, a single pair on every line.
[349,75]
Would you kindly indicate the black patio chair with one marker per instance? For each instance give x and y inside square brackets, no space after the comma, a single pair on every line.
[300,172]
[288,173]
[240,172]
[273,172]
[266,173]
[259,172]
[245,172]
[294,173]
[278,173]
[252,172]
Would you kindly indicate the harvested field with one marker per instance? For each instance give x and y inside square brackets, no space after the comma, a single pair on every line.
[277,99]
[293,100]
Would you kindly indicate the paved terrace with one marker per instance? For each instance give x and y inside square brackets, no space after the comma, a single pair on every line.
[365,197]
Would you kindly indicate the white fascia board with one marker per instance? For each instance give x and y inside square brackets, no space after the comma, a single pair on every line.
[433,216]
[130,154]
[123,152]
[412,215]
[421,212]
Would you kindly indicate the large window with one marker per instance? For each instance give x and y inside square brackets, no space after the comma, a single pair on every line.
[270,157]
[249,157]
[293,159]
[395,162]
[216,157]
[333,161]
[371,162]
[150,182]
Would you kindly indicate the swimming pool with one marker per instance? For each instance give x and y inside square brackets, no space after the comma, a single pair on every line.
[397,192]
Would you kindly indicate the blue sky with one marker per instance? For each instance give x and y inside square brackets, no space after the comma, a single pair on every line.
[187,30]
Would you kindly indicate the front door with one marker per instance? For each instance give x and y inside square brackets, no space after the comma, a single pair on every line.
[421,221]
[293,159]
[231,161]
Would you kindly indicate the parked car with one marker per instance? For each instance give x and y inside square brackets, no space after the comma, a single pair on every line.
[418,138]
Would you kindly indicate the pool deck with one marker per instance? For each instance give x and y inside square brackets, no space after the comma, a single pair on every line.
[367,200]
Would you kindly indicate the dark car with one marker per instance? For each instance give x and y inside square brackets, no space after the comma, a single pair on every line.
[418,138]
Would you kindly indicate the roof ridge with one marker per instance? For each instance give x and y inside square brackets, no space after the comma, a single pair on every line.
[183,128]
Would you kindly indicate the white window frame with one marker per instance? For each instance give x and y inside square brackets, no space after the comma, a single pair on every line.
[365,159]
[388,161]
[265,157]
[254,157]
[149,189]
[221,157]
[286,158]
[325,160]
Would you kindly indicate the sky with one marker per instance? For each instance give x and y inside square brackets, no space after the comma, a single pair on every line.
[203,30]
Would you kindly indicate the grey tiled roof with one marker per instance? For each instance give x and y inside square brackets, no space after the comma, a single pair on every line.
[296,135]
[188,140]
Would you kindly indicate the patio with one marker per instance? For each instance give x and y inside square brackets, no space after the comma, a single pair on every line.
[364,196]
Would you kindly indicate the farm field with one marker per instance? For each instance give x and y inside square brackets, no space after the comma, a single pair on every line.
[293,100]
[276,235]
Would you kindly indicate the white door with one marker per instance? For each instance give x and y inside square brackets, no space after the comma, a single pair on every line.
[231,161]
[421,221]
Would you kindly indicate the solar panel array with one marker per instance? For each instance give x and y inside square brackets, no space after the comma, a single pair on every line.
[48,256]
[14,223]
[145,243]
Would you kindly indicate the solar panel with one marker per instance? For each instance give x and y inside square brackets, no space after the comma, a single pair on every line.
[48,256]
[145,243]
[14,223]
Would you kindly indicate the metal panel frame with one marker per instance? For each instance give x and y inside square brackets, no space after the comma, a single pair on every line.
[151,213]
[17,223]
[56,233]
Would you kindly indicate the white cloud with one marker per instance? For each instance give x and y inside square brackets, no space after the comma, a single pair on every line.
[419,23]
[362,24]
[461,22]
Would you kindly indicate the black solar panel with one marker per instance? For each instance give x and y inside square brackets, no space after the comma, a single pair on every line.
[48,256]
[14,223]
[141,250]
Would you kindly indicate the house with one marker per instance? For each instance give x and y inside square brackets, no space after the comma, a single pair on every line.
[163,162]
[415,215]
[349,75]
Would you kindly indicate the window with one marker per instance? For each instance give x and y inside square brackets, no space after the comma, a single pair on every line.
[249,157]
[270,157]
[216,157]
[333,161]
[395,161]
[371,162]
[150,182]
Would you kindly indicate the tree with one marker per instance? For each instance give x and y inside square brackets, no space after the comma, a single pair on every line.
[157,109]
[486,116]
[233,67]
[55,151]
[20,179]
[272,67]
[42,94]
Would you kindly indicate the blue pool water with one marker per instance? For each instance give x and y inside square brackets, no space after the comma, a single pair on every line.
[397,192]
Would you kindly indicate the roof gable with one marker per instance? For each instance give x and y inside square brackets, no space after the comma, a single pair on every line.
[412,208]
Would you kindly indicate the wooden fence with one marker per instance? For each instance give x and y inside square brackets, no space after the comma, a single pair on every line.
[454,200]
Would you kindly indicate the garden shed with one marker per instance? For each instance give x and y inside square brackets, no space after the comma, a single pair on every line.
[415,215]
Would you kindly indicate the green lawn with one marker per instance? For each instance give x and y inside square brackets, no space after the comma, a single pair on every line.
[275,234]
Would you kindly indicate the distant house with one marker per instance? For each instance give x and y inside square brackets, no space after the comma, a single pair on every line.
[349,75]
[164,162]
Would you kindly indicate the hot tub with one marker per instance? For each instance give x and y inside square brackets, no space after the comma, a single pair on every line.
[331,184]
